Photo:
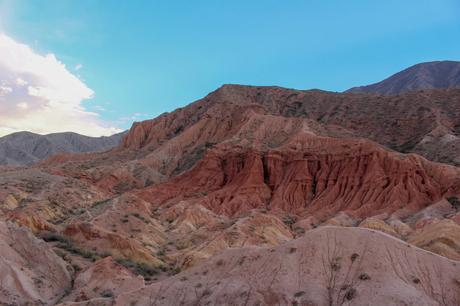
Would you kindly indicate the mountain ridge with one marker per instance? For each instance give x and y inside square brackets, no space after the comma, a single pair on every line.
[25,148]
[427,75]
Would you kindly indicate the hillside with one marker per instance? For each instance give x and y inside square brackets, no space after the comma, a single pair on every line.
[430,75]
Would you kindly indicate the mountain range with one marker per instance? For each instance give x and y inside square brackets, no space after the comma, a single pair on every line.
[251,195]
[25,148]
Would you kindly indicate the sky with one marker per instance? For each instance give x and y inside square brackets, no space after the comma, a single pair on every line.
[94,67]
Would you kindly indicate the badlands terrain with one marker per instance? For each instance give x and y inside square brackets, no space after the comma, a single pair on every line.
[249,196]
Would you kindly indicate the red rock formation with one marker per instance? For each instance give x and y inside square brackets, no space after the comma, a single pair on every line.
[422,122]
[310,175]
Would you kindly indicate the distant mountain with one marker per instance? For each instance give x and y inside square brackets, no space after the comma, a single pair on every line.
[24,148]
[430,75]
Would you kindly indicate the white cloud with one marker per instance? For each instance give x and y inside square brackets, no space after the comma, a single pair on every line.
[20,82]
[23,105]
[39,94]
[5,90]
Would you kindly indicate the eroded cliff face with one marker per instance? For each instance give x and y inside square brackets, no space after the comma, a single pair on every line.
[310,175]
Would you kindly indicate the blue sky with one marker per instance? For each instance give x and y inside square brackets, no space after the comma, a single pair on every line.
[142,58]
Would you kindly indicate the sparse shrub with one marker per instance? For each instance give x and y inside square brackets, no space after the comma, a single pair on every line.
[107,293]
[299,230]
[454,201]
[76,267]
[292,250]
[60,253]
[37,281]
[176,270]
[353,257]
[335,264]
[351,294]
[139,268]
[220,262]
[416,280]
[299,294]
[289,220]
[69,246]
[209,144]
[364,276]
[53,237]
[98,203]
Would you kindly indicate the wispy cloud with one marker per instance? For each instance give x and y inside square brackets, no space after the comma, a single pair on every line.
[134,117]
[39,94]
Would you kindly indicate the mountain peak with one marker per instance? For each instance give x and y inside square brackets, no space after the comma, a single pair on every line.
[429,75]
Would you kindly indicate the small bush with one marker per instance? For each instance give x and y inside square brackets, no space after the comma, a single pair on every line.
[72,248]
[107,293]
[364,276]
[76,267]
[98,203]
[289,220]
[351,294]
[53,237]
[299,230]
[299,294]
[176,270]
[353,257]
[138,268]
[454,201]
